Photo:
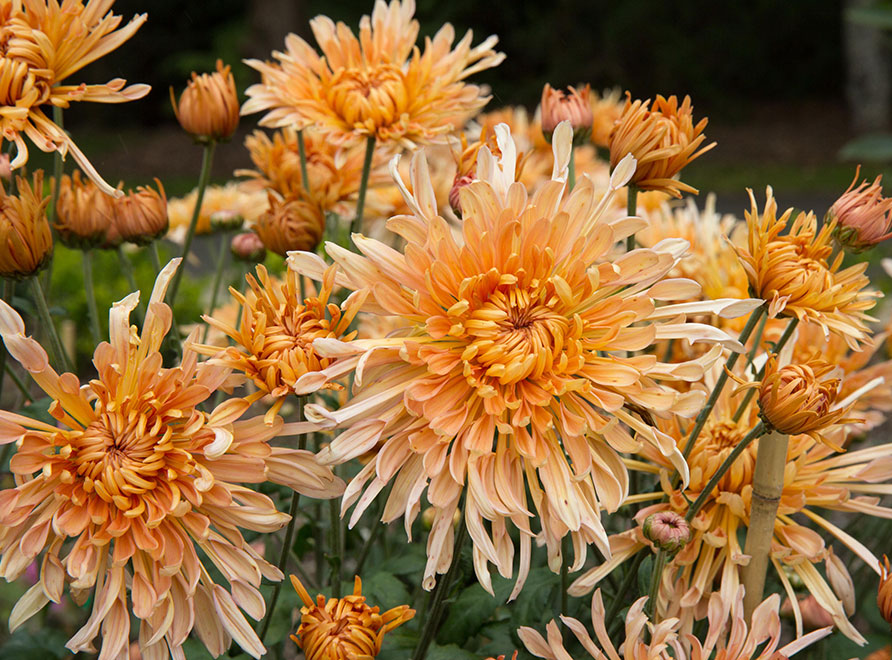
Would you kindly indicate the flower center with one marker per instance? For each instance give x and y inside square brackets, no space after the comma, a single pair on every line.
[362,96]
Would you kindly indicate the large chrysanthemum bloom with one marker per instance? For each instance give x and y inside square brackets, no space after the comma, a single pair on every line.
[274,338]
[137,492]
[663,643]
[792,273]
[44,44]
[512,372]
[344,628]
[378,85]
[816,477]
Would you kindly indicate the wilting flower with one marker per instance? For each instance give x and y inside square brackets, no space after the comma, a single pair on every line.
[26,242]
[141,214]
[667,531]
[344,628]
[232,197]
[83,213]
[248,247]
[135,489]
[290,224]
[208,107]
[792,274]
[573,106]
[663,140]
[378,85]
[43,44]
[513,358]
[664,643]
[884,592]
[863,216]
[274,340]
[607,108]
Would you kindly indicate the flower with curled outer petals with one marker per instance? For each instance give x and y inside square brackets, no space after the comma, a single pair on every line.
[792,273]
[663,139]
[84,213]
[208,107]
[863,216]
[573,106]
[378,85]
[136,494]
[44,43]
[511,371]
[141,214]
[290,224]
[344,628]
[26,242]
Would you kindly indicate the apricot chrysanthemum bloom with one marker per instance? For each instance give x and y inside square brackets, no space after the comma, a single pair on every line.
[792,273]
[274,339]
[233,198]
[137,490]
[208,107]
[290,224]
[44,44]
[512,371]
[344,628]
[26,242]
[379,85]
[141,214]
[863,216]
[607,108]
[573,106]
[663,140]
[664,643]
[83,212]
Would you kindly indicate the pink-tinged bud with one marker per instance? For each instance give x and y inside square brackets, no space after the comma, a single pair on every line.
[667,530]
[572,106]
[454,194]
[248,247]
[863,216]
[226,220]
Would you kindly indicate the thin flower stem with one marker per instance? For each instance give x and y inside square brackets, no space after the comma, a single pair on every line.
[757,340]
[757,432]
[127,269]
[302,150]
[334,538]
[571,169]
[631,209]
[58,166]
[777,348]
[90,292]
[18,383]
[356,227]
[656,581]
[156,257]
[44,311]
[204,178]
[630,577]
[438,597]
[722,379]
[218,277]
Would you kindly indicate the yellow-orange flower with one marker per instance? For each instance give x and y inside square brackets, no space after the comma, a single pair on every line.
[136,491]
[141,215]
[290,224]
[274,339]
[83,212]
[25,238]
[512,371]
[792,273]
[863,216]
[43,44]
[237,199]
[344,628]
[663,139]
[607,108]
[379,85]
[884,591]
[208,107]
[573,106]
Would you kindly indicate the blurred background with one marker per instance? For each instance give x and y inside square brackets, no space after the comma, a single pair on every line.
[796,92]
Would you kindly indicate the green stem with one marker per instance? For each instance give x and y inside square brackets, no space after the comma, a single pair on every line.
[722,379]
[631,209]
[43,309]
[218,277]
[90,292]
[335,542]
[127,269]
[356,227]
[156,257]
[204,178]
[438,597]
[302,150]
[757,432]
[656,580]
[630,577]
[777,348]
[571,169]
[18,383]
[757,340]
[57,171]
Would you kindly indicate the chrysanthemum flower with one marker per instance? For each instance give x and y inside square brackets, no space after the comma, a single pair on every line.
[83,212]
[863,216]
[236,198]
[572,106]
[663,139]
[378,85]
[44,44]
[290,224]
[884,591]
[792,274]
[344,628]
[26,242]
[141,214]
[274,339]
[208,107]
[512,372]
[607,108]
[136,491]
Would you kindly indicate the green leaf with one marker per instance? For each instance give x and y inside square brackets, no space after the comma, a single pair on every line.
[449,652]
[47,645]
[383,589]
[410,559]
[532,606]
[471,610]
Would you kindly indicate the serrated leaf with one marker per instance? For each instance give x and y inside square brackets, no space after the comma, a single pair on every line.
[471,610]
[384,590]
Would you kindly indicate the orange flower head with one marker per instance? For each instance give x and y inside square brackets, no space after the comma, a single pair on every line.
[208,107]
[344,628]
[884,593]
[141,214]
[84,213]
[248,247]
[607,108]
[290,224]
[663,139]
[136,496]
[26,242]
[792,273]
[863,216]
[379,85]
[573,106]
[274,340]
[41,45]
[234,198]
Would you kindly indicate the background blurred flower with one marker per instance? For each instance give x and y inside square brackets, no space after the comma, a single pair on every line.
[26,242]
[238,198]
[248,247]
[573,106]
[208,107]
[83,212]
[607,108]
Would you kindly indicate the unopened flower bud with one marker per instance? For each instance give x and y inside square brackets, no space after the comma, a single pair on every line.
[83,213]
[667,530]
[208,109]
[26,242]
[141,215]
[290,224]
[572,106]
[863,216]
[247,246]
[226,220]
[884,593]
